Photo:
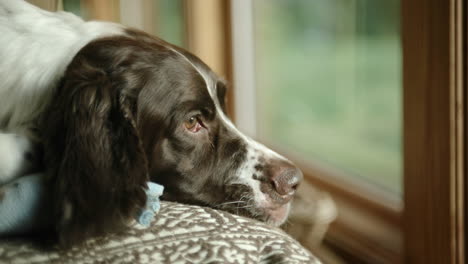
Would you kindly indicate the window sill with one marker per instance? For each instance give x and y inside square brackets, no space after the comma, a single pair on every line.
[369,227]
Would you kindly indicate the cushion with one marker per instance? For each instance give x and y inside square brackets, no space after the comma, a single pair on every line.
[180,234]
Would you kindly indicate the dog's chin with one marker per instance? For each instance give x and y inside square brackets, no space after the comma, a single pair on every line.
[278,215]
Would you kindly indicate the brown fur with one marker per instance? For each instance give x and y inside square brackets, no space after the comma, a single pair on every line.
[117,121]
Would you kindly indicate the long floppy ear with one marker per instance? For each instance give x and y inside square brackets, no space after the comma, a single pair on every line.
[93,153]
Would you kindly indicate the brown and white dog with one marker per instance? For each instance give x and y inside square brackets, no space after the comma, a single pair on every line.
[113,108]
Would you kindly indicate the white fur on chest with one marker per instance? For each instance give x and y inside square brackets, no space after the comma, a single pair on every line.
[35,48]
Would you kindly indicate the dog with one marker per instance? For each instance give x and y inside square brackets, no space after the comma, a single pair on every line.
[110,108]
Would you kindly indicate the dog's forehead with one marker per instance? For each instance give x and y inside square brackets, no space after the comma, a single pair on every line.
[195,65]
[209,77]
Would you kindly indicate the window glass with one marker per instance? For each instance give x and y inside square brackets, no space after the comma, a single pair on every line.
[163,18]
[328,78]
[170,21]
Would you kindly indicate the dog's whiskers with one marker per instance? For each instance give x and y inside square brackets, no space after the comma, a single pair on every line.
[234,202]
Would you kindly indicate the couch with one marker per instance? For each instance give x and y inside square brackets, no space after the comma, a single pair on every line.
[180,234]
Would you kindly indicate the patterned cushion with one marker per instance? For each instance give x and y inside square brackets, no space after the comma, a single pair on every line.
[180,234]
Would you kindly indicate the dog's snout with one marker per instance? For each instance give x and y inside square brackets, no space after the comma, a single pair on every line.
[285,179]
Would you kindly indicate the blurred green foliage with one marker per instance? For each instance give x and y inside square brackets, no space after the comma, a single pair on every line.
[168,17]
[170,22]
[329,83]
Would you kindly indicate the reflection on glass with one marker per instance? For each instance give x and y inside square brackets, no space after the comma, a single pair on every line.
[329,83]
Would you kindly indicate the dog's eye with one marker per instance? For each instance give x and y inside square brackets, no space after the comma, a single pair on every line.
[193,124]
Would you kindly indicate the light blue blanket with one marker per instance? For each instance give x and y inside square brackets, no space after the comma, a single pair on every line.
[25,205]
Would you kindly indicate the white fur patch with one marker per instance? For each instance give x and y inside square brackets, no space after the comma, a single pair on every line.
[12,156]
[35,48]
[67,211]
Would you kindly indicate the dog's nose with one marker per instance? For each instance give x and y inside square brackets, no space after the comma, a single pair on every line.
[285,179]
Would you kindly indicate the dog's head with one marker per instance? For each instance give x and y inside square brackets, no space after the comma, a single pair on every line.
[134,108]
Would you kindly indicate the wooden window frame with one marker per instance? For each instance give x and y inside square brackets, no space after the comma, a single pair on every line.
[208,35]
[49,5]
[434,78]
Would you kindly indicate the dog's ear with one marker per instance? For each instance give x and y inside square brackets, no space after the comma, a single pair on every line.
[94,154]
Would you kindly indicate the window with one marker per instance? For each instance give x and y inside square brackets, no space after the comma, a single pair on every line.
[311,89]
[328,79]
[365,96]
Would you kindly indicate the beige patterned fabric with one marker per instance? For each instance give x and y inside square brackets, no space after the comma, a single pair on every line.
[180,234]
